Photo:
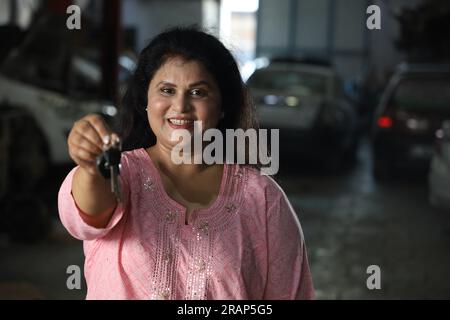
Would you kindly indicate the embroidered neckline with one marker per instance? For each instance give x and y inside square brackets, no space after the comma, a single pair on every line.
[170,237]
[218,213]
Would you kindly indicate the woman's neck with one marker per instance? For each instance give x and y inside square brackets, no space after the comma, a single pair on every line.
[161,156]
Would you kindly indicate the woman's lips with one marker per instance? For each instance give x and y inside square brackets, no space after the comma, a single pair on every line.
[180,123]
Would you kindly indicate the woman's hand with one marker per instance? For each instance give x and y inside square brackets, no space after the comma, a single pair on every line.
[86,139]
[91,192]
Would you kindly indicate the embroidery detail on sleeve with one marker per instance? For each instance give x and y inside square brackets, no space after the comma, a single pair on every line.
[149,185]
[230,207]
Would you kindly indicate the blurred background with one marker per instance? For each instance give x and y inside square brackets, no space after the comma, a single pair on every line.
[363,115]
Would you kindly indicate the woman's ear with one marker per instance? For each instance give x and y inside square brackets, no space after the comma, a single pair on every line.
[222,115]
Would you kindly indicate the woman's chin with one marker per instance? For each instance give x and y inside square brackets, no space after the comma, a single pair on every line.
[178,142]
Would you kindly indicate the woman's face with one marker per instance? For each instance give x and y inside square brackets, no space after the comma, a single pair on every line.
[180,93]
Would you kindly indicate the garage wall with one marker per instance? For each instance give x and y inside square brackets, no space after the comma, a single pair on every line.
[151,17]
[325,28]
[4,12]
[334,29]
[273,26]
[25,11]
[328,28]
[311,32]
[349,36]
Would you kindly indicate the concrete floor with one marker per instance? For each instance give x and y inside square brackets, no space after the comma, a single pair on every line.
[349,222]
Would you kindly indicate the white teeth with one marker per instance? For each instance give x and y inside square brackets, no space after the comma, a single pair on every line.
[180,122]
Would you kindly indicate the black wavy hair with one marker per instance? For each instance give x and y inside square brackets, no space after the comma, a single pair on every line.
[191,43]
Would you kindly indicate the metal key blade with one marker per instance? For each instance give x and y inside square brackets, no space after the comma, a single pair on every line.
[115,185]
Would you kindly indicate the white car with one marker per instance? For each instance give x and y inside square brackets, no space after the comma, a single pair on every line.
[47,81]
[53,112]
[56,82]
[306,102]
[54,78]
[439,176]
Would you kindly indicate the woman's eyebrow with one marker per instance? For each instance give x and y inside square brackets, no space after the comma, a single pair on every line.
[167,83]
[198,83]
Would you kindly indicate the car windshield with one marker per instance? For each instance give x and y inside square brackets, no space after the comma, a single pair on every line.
[291,82]
[423,93]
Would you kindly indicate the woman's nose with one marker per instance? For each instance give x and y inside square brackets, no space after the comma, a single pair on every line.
[181,104]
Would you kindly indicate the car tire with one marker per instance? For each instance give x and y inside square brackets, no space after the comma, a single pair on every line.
[29,160]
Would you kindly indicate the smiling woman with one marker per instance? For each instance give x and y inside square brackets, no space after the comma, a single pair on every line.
[181,231]
[180,93]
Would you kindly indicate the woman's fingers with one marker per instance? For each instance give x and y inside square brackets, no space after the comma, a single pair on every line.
[83,154]
[89,166]
[85,129]
[87,139]
[100,127]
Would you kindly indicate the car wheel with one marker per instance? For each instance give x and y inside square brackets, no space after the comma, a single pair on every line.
[29,159]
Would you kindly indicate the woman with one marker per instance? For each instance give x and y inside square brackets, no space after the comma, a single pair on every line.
[181,231]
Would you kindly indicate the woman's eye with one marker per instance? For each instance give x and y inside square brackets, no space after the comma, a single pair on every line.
[198,93]
[167,91]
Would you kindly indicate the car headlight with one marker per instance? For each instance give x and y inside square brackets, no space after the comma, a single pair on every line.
[292,101]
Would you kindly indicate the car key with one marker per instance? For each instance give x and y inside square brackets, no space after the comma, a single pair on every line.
[108,164]
[114,161]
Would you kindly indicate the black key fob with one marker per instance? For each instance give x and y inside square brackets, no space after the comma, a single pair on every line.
[110,157]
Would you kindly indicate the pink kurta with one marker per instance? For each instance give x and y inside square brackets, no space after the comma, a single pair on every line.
[247,245]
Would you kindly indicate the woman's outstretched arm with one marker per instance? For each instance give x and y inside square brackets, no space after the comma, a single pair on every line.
[91,192]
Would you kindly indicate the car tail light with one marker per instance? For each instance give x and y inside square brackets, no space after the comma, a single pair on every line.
[385,122]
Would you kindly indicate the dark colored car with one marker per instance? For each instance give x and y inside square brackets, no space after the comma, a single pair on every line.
[413,107]
[306,103]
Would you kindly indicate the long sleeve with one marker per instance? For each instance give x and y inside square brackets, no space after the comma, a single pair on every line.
[288,274]
[71,216]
